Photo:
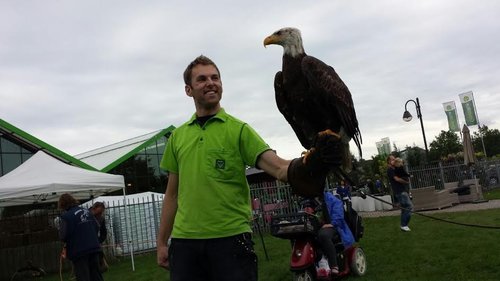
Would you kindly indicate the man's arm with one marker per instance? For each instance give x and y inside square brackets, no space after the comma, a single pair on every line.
[400,180]
[274,165]
[168,212]
[103,231]
[392,175]
[63,229]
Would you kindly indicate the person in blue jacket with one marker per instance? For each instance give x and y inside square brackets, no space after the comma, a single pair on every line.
[344,190]
[78,230]
[333,221]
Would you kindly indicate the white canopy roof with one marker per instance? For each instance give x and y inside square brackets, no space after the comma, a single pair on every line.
[43,178]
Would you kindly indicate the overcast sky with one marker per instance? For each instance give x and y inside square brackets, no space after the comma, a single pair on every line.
[84,74]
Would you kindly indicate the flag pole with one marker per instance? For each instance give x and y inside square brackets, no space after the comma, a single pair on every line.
[458,122]
[479,128]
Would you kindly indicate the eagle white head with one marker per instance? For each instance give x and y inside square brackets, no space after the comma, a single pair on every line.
[289,38]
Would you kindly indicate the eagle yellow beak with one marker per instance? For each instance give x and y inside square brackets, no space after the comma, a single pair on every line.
[272,39]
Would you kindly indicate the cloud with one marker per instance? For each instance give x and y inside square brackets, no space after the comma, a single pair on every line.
[81,75]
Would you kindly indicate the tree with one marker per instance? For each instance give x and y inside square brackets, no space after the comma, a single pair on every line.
[376,167]
[446,143]
[491,138]
[396,152]
[415,156]
[365,170]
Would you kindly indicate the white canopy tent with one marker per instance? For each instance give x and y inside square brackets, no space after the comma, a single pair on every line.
[42,178]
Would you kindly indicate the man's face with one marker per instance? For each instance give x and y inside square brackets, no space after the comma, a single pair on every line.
[98,212]
[206,86]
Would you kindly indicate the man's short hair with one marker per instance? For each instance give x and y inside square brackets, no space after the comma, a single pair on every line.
[98,205]
[199,60]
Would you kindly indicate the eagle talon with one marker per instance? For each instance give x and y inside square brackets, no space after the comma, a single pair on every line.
[306,154]
[328,132]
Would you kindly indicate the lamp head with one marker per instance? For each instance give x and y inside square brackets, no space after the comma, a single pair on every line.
[407,116]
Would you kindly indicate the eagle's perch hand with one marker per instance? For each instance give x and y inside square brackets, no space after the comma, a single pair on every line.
[307,174]
[327,148]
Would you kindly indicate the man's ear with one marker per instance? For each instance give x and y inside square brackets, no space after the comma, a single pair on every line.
[188,90]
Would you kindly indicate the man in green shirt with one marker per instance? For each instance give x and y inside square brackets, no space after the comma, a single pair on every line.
[206,209]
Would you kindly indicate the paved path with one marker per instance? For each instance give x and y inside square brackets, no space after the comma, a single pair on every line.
[463,207]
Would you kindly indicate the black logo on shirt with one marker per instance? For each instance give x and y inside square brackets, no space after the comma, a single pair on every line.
[220,164]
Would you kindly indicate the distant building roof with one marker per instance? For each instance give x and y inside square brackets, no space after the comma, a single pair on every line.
[110,156]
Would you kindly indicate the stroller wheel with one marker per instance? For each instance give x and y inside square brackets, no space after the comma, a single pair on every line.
[358,262]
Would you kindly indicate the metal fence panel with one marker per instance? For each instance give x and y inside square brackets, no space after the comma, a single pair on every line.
[269,199]
[139,231]
[487,172]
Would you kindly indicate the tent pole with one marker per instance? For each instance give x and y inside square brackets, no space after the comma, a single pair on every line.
[129,228]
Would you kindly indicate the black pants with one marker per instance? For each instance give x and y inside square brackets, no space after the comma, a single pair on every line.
[220,259]
[87,268]
[325,239]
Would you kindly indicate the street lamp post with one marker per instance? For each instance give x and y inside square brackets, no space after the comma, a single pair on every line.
[407,118]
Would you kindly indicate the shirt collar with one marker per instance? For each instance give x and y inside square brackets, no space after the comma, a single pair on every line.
[221,115]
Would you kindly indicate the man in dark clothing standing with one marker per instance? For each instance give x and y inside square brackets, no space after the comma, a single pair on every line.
[400,193]
[78,229]
[97,210]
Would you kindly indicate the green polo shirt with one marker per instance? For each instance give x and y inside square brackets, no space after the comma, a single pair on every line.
[213,195]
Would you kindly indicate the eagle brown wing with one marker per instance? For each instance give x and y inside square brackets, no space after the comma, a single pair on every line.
[333,96]
[284,106]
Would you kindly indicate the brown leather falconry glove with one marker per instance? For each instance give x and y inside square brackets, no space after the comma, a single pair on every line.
[307,174]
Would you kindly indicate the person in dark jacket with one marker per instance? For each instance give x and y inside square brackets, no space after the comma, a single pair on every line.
[97,210]
[78,230]
[400,192]
[344,190]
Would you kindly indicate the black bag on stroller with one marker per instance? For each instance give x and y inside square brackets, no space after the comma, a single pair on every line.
[354,221]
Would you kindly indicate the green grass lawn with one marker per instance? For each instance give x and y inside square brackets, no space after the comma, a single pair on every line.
[432,251]
[492,194]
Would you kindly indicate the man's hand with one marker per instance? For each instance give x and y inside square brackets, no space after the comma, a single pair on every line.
[307,174]
[162,256]
[325,153]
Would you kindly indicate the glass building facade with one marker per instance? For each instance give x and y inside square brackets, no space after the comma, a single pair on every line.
[12,154]
[137,159]
[142,171]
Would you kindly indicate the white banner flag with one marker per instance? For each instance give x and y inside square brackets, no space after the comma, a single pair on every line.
[467,100]
[451,113]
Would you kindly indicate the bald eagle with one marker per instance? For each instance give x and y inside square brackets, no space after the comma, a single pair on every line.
[312,97]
